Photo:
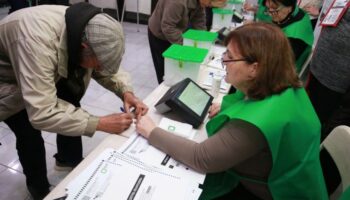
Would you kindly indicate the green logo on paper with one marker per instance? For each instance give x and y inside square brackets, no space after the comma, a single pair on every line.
[171,128]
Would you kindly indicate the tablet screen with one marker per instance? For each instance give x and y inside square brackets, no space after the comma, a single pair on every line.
[194,98]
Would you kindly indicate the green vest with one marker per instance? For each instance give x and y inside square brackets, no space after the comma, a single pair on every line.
[292,130]
[260,15]
[302,30]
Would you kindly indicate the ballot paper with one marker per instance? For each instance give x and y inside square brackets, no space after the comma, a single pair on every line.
[138,148]
[138,171]
[114,176]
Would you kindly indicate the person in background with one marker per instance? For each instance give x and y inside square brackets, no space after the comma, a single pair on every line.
[19,4]
[48,55]
[329,80]
[167,23]
[292,20]
[264,139]
[209,11]
[328,87]
[296,25]
[312,7]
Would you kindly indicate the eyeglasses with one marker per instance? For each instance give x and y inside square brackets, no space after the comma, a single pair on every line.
[269,11]
[223,62]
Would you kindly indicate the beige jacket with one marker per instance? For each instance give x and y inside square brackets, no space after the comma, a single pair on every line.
[33,57]
[171,18]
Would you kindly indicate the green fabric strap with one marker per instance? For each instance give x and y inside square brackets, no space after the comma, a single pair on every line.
[302,30]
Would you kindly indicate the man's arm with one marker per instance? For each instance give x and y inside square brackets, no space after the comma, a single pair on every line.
[172,15]
[198,19]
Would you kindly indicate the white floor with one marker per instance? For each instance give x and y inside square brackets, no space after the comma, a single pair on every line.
[137,61]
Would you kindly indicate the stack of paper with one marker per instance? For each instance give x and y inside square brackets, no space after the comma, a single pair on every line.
[113,176]
[138,171]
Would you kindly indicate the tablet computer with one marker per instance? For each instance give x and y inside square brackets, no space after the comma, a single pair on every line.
[187,100]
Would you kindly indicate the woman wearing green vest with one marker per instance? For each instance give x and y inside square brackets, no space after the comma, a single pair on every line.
[264,139]
[293,21]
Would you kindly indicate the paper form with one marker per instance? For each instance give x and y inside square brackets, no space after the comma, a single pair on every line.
[114,176]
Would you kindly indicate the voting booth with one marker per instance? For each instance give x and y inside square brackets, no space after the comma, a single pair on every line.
[182,62]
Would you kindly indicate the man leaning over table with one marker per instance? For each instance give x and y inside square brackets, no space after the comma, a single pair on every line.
[48,54]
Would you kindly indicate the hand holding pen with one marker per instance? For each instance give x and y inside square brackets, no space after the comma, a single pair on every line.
[130,101]
[119,122]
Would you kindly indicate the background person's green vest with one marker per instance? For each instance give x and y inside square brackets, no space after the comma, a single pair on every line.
[292,130]
[302,30]
[260,14]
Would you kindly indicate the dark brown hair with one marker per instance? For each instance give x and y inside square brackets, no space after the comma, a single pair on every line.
[283,2]
[267,45]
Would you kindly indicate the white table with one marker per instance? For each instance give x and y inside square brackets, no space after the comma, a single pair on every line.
[115,141]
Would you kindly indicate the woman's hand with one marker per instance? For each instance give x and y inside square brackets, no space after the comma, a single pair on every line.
[144,126]
[214,109]
[131,101]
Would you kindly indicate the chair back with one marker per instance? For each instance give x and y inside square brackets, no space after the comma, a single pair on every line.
[337,144]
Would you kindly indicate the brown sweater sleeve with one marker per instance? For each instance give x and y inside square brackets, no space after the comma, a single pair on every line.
[236,142]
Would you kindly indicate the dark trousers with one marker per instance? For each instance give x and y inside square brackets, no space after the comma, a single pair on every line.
[31,150]
[332,108]
[18,4]
[157,47]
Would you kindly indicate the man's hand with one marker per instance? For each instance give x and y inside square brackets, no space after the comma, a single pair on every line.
[131,101]
[144,126]
[115,123]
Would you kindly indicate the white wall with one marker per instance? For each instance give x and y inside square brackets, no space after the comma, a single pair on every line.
[104,3]
[144,5]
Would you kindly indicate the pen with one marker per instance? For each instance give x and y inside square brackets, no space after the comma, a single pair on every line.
[122,109]
[132,110]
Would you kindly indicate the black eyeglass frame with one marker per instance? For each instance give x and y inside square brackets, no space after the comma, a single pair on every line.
[267,10]
[231,60]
